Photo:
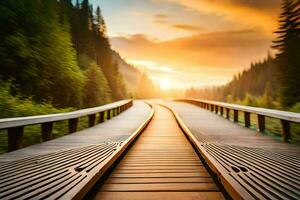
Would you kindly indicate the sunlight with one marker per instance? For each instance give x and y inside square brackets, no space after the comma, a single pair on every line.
[164,84]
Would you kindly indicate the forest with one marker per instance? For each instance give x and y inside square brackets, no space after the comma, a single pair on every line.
[56,56]
[272,82]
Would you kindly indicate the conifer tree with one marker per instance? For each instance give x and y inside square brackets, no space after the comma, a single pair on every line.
[36,52]
[288,46]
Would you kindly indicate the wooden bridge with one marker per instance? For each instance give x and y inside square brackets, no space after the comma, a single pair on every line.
[181,149]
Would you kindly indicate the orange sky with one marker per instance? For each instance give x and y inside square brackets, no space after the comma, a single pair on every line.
[185,43]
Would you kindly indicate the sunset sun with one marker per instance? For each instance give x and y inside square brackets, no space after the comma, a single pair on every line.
[164,84]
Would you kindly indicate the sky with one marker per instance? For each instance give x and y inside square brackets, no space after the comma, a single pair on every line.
[191,43]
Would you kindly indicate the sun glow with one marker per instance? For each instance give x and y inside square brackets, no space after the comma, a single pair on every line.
[164,84]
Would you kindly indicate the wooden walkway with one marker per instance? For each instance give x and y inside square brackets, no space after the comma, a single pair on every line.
[116,129]
[256,166]
[162,164]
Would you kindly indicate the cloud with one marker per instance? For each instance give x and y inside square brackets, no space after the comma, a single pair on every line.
[261,14]
[214,54]
[186,27]
[160,16]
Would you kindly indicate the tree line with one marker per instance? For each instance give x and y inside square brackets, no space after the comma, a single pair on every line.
[56,54]
[273,82]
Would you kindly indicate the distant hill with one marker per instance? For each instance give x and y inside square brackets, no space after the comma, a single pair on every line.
[131,74]
[257,86]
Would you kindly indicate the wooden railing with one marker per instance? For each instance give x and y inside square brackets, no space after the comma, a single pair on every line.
[224,109]
[15,126]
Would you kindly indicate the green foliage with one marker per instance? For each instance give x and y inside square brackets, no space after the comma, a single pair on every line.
[296,108]
[42,42]
[96,91]
[16,106]
[36,52]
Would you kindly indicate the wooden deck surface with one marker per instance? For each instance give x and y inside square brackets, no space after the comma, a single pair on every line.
[162,164]
[209,127]
[266,168]
[72,163]
[116,129]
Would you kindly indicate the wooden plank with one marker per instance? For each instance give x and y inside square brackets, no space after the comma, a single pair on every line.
[159,195]
[150,175]
[161,180]
[193,167]
[160,187]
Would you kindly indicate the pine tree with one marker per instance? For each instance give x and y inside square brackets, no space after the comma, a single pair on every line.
[36,52]
[288,46]
[96,90]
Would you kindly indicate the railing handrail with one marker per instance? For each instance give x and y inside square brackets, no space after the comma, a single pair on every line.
[39,119]
[15,126]
[284,115]
[218,107]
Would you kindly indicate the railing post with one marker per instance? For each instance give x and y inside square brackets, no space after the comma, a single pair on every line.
[247,119]
[15,138]
[92,120]
[286,134]
[108,114]
[47,131]
[73,125]
[101,117]
[217,109]
[221,111]
[212,107]
[227,113]
[235,115]
[261,123]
